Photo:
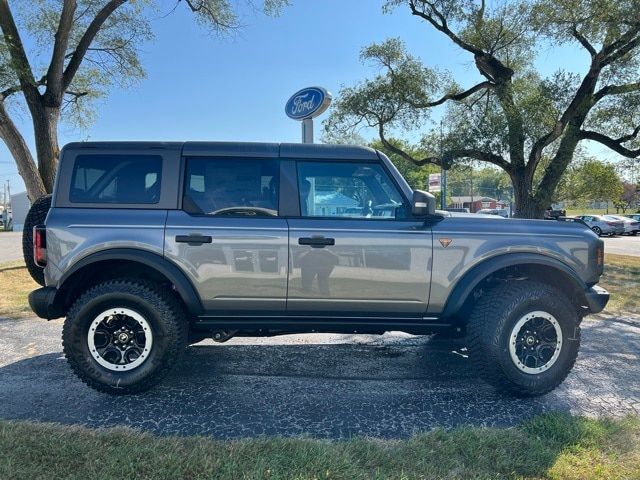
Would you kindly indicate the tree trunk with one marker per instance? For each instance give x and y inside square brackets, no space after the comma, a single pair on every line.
[526,204]
[45,126]
[20,151]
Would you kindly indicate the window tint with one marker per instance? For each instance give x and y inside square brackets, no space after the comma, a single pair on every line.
[218,186]
[116,179]
[351,190]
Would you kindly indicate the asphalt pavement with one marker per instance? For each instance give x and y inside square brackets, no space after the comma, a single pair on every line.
[326,386]
[10,246]
[622,245]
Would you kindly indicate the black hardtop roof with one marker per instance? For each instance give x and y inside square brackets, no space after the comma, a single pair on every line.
[240,149]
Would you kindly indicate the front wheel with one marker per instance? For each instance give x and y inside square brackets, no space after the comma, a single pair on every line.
[124,336]
[597,230]
[524,337]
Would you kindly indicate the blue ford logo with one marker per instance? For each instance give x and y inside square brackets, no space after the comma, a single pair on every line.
[307,103]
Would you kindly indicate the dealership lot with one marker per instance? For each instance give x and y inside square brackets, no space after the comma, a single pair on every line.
[623,245]
[330,386]
[10,246]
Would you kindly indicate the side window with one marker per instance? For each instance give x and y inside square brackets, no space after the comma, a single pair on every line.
[126,179]
[349,190]
[230,187]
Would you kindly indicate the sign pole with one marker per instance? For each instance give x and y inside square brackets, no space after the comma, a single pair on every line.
[307,130]
[305,105]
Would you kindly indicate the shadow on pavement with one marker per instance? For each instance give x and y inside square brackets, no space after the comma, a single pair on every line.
[331,391]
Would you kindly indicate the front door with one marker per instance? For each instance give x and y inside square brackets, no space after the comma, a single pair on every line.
[228,236]
[355,248]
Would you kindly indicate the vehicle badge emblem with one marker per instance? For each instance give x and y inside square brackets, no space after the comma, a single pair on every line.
[445,242]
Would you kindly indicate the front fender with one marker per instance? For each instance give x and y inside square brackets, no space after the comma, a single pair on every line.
[465,286]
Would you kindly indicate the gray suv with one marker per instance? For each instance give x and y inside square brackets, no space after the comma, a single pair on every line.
[148,247]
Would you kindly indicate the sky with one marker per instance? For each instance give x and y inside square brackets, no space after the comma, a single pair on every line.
[203,87]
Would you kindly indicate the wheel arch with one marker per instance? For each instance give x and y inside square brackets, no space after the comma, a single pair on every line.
[513,265]
[125,262]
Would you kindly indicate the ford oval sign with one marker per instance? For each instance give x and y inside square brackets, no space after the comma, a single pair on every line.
[308,103]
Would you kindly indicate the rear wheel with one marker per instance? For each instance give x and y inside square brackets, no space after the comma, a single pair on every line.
[124,336]
[524,337]
[36,216]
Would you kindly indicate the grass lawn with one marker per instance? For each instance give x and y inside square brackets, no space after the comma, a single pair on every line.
[622,279]
[15,285]
[551,446]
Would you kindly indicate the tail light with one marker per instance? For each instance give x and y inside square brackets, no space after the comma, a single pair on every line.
[600,256]
[40,245]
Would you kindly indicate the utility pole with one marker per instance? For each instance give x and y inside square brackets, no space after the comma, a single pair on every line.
[5,211]
[471,189]
[443,172]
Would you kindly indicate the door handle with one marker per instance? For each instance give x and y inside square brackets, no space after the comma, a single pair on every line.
[194,239]
[316,242]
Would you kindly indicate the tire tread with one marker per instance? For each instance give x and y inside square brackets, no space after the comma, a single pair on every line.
[484,334]
[161,299]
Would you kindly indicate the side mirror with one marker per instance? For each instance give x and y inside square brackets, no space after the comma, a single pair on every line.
[423,204]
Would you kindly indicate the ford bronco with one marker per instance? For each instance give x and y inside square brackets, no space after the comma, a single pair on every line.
[148,247]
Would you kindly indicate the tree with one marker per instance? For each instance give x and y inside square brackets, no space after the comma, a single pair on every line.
[82,47]
[629,198]
[513,118]
[591,180]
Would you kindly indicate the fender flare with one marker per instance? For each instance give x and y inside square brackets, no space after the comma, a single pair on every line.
[168,269]
[472,278]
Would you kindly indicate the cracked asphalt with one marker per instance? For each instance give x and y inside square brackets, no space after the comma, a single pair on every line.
[323,386]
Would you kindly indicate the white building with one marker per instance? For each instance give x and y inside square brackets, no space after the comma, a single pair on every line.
[20,205]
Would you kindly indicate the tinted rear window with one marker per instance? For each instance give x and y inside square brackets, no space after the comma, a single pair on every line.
[127,179]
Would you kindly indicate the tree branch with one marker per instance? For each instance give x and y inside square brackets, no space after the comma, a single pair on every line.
[17,53]
[440,24]
[19,150]
[452,96]
[614,144]
[621,52]
[86,40]
[616,90]
[476,154]
[622,40]
[583,93]
[583,41]
[53,94]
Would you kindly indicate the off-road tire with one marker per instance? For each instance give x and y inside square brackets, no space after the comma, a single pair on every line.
[159,307]
[36,216]
[490,326]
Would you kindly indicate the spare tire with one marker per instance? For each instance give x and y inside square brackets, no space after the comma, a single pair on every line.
[36,216]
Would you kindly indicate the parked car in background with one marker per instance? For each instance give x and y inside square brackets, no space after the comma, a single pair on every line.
[502,212]
[633,216]
[601,226]
[551,214]
[631,226]
[457,209]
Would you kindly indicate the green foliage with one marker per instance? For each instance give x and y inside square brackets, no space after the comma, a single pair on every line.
[589,180]
[391,96]
[528,124]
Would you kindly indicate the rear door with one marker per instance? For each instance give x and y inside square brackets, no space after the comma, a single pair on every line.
[355,249]
[228,235]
